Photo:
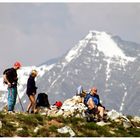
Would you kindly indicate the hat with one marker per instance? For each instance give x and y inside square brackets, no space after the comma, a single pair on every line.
[94,89]
[17,64]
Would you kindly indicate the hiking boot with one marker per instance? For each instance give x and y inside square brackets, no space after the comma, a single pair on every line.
[90,117]
[11,112]
[27,112]
[32,112]
[93,111]
[100,118]
[105,119]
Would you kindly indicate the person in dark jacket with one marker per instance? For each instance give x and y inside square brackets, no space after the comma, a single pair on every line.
[31,91]
[10,79]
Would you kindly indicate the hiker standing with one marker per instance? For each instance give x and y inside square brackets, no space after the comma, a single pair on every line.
[31,91]
[11,79]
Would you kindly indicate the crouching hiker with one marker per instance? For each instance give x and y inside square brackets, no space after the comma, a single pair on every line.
[92,101]
[11,79]
[31,91]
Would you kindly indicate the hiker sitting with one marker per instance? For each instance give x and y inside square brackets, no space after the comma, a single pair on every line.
[92,101]
[42,101]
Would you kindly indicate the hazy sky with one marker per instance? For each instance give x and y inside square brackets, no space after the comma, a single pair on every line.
[34,33]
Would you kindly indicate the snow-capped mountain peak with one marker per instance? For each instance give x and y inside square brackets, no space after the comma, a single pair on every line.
[75,52]
[107,45]
[103,42]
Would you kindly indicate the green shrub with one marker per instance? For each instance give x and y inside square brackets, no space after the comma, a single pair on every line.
[23,133]
[43,132]
[53,128]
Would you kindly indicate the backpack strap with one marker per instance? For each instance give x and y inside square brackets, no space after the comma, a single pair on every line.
[87,98]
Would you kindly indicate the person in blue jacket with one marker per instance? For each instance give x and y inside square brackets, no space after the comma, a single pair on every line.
[92,101]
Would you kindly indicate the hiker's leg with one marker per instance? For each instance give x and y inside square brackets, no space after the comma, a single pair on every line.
[14,91]
[29,106]
[10,99]
[36,109]
[101,111]
[90,103]
[32,99]
[30,103]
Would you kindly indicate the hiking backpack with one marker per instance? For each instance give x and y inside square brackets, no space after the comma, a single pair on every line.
[58,104]
[95,99]
[11,75]
[42,100]
[80,92]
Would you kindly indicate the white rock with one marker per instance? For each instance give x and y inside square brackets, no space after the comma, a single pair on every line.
[66,129]
[36,129]
[136,119]
[53,111]
[113,114]
[126,124]
[77,99]
[0,124]
[72,107]
[19,129]
[16,124]
[60,112]
[43,113]
[101,123]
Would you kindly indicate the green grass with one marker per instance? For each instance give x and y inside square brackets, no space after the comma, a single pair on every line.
[48,128]
[23,133]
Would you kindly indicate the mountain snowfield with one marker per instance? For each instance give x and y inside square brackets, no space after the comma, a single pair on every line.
[100,59]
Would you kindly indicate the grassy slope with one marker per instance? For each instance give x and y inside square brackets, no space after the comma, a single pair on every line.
[23,125]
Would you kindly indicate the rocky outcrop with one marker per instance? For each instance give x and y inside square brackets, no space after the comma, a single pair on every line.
[74,107]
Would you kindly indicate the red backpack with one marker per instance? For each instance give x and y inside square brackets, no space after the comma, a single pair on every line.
[58,104]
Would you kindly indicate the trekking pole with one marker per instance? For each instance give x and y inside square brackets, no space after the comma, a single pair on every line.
[20,102]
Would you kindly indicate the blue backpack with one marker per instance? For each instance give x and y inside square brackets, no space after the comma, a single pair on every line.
[96,100]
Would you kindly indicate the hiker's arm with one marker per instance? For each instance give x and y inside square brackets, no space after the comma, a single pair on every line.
[6,80]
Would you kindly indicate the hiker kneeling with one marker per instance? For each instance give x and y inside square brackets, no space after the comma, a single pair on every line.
[92,101]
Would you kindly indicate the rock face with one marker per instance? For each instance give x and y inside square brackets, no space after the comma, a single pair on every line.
[74,107]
